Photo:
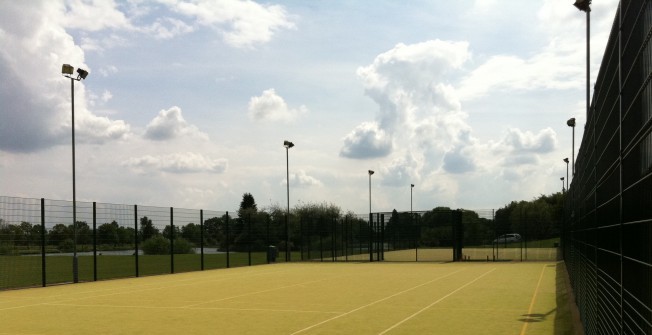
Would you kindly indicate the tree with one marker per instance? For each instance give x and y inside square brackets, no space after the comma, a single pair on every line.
[247,205]
[192,233]
[107,233]
[167,231]
[147,229]
[58,234]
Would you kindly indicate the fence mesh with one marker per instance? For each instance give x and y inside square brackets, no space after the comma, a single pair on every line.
[39,245]
[608,213]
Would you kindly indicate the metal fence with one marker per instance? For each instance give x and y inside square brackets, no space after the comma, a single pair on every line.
[608,213]
[40,246]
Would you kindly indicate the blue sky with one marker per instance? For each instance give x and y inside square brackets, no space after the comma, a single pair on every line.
[187,103]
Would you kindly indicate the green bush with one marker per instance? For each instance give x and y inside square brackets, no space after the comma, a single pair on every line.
[159,245]
[183,246]
[67,245]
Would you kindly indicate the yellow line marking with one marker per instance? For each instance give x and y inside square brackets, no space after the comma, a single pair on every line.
[534,298]
[435,302]
[374,302]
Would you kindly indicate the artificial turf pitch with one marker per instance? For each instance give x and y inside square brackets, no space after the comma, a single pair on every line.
[305,298]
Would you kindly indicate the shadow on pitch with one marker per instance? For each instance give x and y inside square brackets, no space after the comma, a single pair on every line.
[536,317]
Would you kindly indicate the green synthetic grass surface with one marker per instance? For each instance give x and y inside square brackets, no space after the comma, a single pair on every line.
[305,298]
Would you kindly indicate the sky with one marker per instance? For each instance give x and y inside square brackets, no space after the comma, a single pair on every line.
[188,102]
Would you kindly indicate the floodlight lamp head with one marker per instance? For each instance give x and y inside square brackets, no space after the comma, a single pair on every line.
[371,172]
[411,185]
[81,74]
[67,69]
[571,122]
[583,5]
[288,144]
[566,160]
[562,178]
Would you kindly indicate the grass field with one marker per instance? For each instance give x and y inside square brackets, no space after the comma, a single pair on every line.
[305,298]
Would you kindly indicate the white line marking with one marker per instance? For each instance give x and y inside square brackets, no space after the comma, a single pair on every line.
[373,303]
[534,297]
[436,302]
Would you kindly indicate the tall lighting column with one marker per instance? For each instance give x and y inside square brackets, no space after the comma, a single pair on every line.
[585,6]
[566,160]
[562,184]
[370,173]
[571,123]
[67,71]
[411,187]
[287,145]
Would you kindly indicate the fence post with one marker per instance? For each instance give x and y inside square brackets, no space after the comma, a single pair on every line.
[43,278]
[201,236]
[136,237]
[228,263]
[249,238]
[94,241]
[171,240]
[301,239]
[371,242]
[287,238]
[382,237]
[333,238]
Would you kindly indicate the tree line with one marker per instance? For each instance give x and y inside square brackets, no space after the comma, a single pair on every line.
[254,229]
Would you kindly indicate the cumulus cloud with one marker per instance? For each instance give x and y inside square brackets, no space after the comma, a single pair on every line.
[94,15]
[518,141]
[243,24]
[302,179]
[366,141]
[401,171]
[169,124]
[459,160]
[36,99]
[269,106]
[187,162]
[167,28]
[417,105]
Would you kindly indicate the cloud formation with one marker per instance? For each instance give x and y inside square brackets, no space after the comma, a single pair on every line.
[269,106]
[302,179]
[367,140]
[36,98]
[187,162]
[170,124]
[242,24]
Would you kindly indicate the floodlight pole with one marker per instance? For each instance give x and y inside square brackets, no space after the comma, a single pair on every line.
[287,145]
[566,161]
[562,185]
[67,71]
[370,173]
[411,188]
[75,264]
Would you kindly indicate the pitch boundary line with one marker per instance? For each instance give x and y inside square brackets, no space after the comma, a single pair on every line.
[375,302]
[534,297]
[435,302]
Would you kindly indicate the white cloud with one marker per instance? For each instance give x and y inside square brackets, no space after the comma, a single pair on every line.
[169,124]
[269,106]
[242,24]
[187,162]
[367,140]
[166,28]
[301,179]
[400,172]
[106,71]
[517,141]
[36,98]
[94,15]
